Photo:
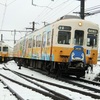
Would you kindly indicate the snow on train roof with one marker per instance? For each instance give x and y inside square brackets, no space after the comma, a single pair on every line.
[69,17]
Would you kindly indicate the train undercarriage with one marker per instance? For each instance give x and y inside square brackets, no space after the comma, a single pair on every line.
[76,68]
[5,59]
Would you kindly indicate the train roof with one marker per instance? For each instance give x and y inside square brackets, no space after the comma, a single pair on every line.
[69,17]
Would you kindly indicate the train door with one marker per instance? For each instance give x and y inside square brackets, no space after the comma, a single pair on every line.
[34,47]
[46,48]
[51,47]
[79,37]
[43,46]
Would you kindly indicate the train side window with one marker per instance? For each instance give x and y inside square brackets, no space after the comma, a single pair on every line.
[79,37]
[48,38]
[0,48]
[92,40]
[38,41]
[34,41]
[30,43]
[64,37]
[5,49]
[44,40]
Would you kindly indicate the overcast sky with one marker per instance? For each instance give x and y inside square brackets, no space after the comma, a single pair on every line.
[19,14]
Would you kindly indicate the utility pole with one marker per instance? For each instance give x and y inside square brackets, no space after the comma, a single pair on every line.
[1,37]
[15,31]
[14,36]
[33,26]
[82,8]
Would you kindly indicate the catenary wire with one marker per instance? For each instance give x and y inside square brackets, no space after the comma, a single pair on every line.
[42,14]
[55,10]
[5,7]
[60,11]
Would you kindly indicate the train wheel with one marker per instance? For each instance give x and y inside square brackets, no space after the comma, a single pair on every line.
[59,71]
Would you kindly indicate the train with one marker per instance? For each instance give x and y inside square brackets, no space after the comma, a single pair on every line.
[67,46]
[6,52]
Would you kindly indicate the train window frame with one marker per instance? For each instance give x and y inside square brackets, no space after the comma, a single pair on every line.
[34,41]
[30,43]
[92,40]
[61,37]
[44,40]
[38,40]
[5,50]
[48,38]
[79,37]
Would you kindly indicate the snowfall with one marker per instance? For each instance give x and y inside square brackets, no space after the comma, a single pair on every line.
[32,95]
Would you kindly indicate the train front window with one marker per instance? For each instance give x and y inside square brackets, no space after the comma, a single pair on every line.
[79,37]
[92,37]
[5,49]
[64,37]
[92,40]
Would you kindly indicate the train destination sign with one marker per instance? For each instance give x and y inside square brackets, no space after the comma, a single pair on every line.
[94,31]
[64,28]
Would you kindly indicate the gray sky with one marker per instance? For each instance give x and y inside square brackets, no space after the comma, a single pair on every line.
[18,14]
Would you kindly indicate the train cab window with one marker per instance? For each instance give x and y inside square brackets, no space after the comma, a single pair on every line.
[92,37]
[79,37]
[5,49]
[92,40]
[64,37]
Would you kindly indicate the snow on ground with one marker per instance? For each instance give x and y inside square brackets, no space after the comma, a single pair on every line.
[36,96]
[5,94]
[96,71]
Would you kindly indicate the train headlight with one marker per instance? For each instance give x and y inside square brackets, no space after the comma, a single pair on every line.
[80,23]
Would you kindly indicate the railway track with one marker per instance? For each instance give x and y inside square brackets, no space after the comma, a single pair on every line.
[12,90]
[94,82]
[91,94]
[97,79]
[7,93]
[50,93]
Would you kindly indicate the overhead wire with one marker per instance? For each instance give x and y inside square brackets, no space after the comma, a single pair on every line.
[93,8]
[42,14]
[11,2]
[5,7]
[74,9]
[43,11]
[55,10]
[2,4]
[59,11]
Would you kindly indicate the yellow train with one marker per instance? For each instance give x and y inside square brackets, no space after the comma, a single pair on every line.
[6,52]
[68,45]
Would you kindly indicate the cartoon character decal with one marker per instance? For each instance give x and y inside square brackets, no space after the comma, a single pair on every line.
[77,54]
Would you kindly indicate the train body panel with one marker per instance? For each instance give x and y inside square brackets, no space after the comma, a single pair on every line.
[69,41]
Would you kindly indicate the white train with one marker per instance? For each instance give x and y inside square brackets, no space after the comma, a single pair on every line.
[68,45]
[6,52]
